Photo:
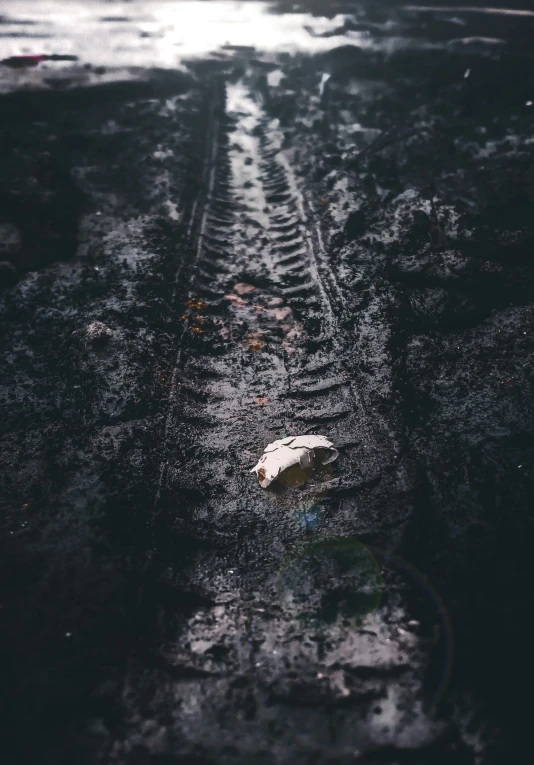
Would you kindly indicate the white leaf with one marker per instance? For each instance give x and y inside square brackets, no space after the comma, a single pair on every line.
[293,450]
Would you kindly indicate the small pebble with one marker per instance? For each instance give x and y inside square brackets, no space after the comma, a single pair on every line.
[97,332]
[243,289]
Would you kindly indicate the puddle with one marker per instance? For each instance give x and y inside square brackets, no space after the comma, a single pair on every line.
[160,34]
[165,33]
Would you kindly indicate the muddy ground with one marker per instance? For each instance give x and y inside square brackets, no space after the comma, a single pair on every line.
[338,242]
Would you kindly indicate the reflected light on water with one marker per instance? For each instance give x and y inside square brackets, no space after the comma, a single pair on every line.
[469,9]
[162,32]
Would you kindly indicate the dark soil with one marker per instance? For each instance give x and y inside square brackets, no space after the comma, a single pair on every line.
[158,605]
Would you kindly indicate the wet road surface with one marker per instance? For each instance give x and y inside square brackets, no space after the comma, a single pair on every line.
[303,224]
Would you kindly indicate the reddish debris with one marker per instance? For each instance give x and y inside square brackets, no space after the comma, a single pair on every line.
[23,62]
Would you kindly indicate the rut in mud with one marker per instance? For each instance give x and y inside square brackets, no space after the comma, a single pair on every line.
[263,355]
[264,314]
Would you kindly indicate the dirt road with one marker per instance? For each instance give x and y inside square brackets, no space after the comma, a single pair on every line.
[336,241]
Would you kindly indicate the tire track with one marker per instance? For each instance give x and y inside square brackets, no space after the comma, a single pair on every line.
[252,224]
[267,356]
[302,259]
[197,220]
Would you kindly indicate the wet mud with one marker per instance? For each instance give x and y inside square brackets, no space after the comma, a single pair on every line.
[199,260]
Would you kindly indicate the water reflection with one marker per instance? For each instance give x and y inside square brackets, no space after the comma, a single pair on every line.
[344,597]
[162,32]
[144,34]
